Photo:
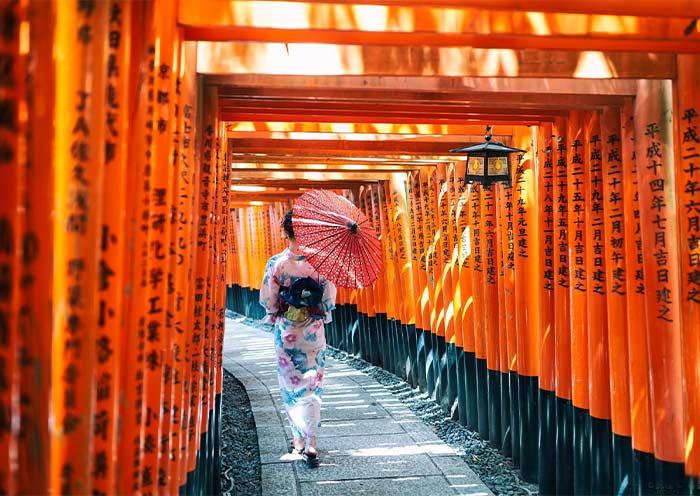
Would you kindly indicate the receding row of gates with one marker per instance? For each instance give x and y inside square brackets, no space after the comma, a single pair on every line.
[557,316]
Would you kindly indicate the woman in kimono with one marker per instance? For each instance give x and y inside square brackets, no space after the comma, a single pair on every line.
[300,340]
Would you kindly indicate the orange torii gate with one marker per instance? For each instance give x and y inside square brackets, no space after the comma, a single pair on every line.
[558,316]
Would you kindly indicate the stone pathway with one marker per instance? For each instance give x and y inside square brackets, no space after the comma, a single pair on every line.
[369,442]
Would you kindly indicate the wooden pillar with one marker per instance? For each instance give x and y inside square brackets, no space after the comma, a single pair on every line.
[596,308]
[546,401]
[112,242]
[688,208]
[577,192]
[527,297]
[616,275]
[36,248]
[79,160]
[562,325]
[653,123]
[477,250]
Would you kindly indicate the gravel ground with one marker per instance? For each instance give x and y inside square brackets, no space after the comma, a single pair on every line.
[494,469]
[240,457]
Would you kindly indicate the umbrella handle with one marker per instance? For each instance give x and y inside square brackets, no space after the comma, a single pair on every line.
[353,227]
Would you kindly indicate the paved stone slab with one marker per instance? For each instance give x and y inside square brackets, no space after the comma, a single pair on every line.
[381,445]
[278,480]
[368,467]
[463,481]
[350,428]
[398,486]
[369,443]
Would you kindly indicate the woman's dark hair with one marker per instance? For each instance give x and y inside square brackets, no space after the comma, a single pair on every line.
[287,225]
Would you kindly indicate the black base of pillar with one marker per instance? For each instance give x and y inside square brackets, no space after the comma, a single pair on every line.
[470,386]
[582,451]
[421,359]
[547,472]
[514,417]
[461,388]
[643,473]
[412,337]
[506,433]
[601,456]
[528,392]
[452,385]
[670,478]
[494,408]
[482,397]
[622,464]
[564,446]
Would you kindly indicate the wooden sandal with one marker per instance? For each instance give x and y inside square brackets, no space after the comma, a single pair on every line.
[311,459]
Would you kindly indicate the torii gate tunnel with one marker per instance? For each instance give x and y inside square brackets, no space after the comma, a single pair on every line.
[149,149]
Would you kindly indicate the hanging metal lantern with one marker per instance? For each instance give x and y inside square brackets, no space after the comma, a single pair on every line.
[488,162]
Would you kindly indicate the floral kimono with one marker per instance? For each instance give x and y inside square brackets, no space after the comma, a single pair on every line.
[300,343]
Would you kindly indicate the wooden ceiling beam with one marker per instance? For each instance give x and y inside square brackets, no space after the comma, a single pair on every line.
[443,84]
[419,98]
[305,184]
[248,160]
[239,167]
[482,119]
[309,155]
[378,109]
[310,176]
[351,131]
[639,8]
[503,41]
[510,60]
[368,148]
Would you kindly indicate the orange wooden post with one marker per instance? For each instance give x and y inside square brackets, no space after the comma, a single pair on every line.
[140,131]
[477,251]
[579,280]
[79,146]
[547,377]
[688,191]
[654,150]
[418,277]
[452,276]
[427,297]
[527,296]
[615,277]
[395,278]
[463,302]
[13,139]
[455,181]
[396,316]
[562,330]
[438,193]
[370,293]
[200,325]
[181,266]
[443,285]
[596,307]
[506,322]
[37,246]
[404,275]
[112,241]
[155,316]
[364,298]
[489,255]
[420,281]
[640,393]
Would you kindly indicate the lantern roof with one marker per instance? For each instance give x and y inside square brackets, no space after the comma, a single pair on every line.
[487,146]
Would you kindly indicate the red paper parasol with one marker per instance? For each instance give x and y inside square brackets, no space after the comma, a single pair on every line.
[337,239]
